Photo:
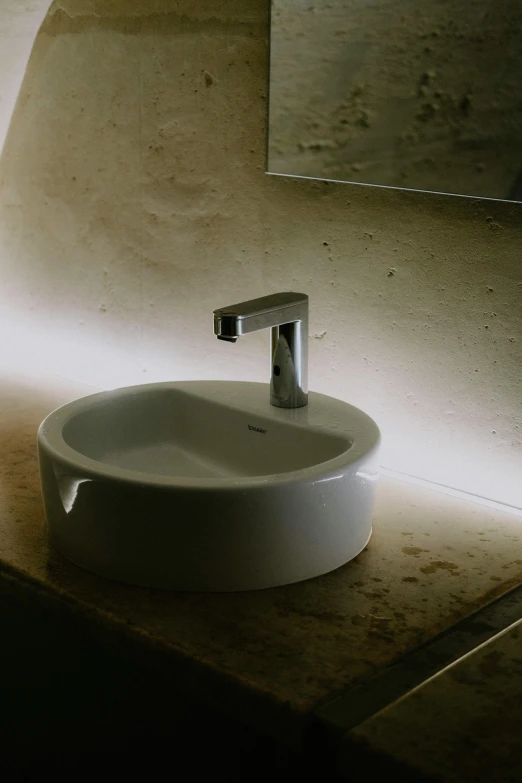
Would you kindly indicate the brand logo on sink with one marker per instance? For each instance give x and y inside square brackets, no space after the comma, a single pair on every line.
[257,429]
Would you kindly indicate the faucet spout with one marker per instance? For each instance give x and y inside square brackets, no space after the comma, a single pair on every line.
[226,339]
[286,314]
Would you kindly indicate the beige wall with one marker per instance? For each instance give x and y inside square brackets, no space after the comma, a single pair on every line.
[134,201]
[19,23]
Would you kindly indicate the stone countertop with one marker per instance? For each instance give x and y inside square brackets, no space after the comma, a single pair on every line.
[462,724]
[269,657]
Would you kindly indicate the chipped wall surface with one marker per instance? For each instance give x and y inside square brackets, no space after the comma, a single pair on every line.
[134,202]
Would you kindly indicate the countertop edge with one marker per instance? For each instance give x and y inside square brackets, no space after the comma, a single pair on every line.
[192,677]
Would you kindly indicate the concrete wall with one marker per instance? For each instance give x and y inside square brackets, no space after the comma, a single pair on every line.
[134,201]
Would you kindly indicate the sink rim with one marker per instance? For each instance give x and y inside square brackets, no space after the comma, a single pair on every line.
[51,439]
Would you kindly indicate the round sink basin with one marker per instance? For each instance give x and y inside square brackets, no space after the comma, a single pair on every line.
[203,485]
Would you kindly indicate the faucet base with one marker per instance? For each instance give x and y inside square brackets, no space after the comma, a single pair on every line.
[288,375]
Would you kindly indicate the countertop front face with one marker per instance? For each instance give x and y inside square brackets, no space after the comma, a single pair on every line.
[432,560]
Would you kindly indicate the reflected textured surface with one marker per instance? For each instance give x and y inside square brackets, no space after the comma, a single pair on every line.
[413,95]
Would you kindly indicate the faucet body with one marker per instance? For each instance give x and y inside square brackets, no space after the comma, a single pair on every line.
[286,314]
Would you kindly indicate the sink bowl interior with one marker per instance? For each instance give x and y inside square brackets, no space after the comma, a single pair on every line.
[170,433]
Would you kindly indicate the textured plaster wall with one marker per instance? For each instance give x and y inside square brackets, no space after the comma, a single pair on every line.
[134,201]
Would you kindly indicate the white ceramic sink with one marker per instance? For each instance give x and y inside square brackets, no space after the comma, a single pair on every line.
[206,486]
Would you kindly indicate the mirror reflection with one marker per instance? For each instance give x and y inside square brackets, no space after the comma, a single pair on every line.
[421,94]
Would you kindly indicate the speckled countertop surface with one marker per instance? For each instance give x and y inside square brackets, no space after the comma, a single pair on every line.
[463,724]
[282,652]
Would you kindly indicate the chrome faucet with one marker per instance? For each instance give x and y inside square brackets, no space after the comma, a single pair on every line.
[286,314]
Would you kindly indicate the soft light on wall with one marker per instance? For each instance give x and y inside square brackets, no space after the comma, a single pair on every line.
[19,23]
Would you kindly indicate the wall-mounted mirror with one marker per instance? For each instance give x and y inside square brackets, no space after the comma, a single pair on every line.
[421,94]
